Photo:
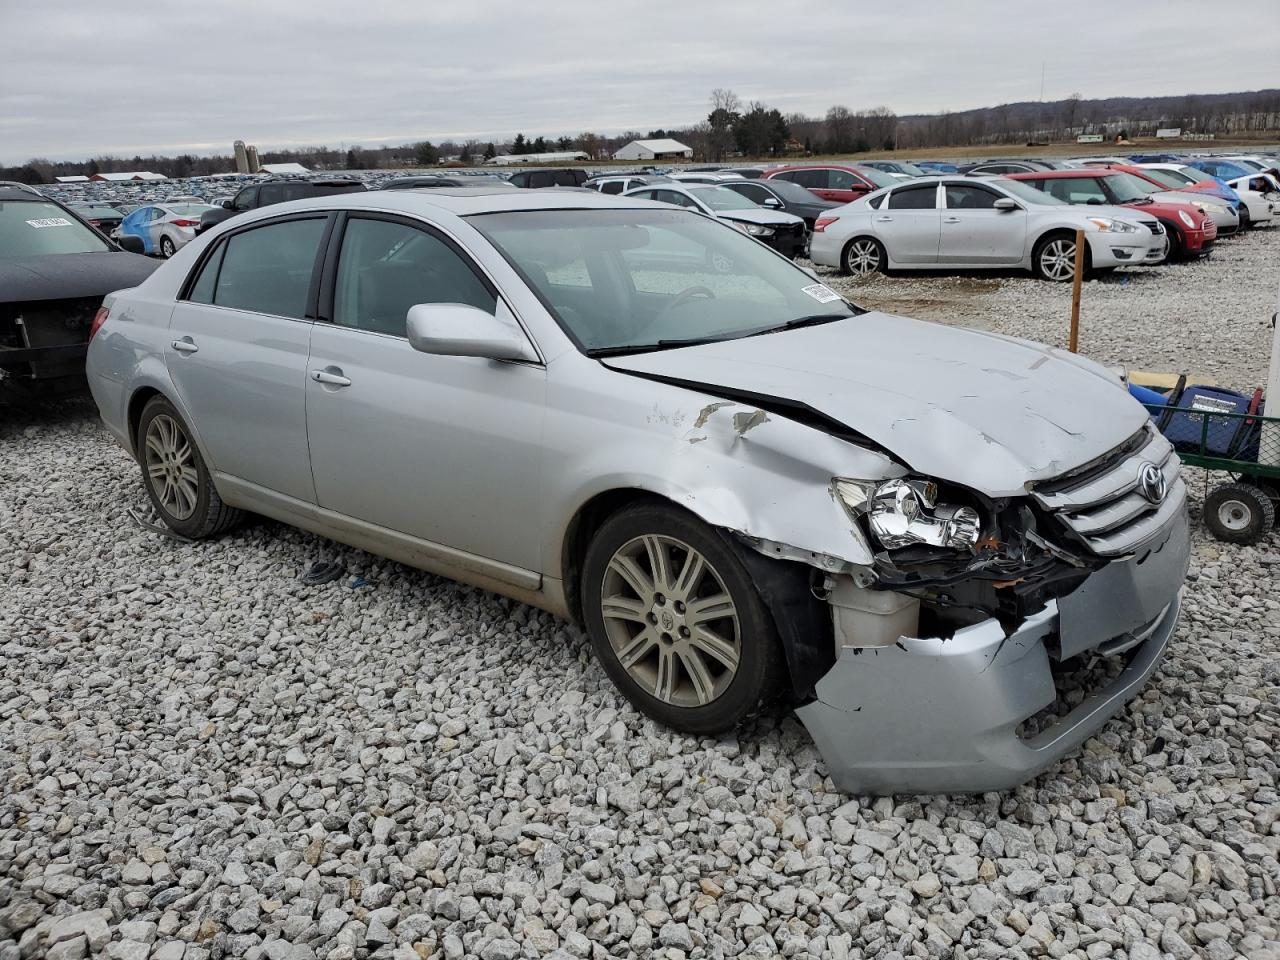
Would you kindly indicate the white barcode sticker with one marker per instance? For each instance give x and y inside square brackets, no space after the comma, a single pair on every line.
[820,292]
[49,222]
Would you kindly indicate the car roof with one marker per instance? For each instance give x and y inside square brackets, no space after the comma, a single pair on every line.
[459,201]
[1060,174]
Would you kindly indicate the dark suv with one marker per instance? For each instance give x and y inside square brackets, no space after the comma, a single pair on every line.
[562,177]
[275,191]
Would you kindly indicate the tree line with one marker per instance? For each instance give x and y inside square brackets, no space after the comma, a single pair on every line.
[734,128]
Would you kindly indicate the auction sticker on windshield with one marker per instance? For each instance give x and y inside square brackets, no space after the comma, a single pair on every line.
[50,222]
[820,292]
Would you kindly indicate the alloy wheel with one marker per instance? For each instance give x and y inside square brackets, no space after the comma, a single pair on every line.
[171,468]
[1058,259]
[670,620]
[863,258]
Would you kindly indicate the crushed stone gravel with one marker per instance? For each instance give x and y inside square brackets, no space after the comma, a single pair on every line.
[202,757]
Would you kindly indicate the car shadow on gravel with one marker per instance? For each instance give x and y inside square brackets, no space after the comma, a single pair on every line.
[15,418]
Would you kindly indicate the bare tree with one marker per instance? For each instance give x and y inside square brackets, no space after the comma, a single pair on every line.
[839,129]
[725,110]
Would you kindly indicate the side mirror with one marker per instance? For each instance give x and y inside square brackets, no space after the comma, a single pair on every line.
[228,204]
[131,243]
[458,330]
[773,203]
[1006,204]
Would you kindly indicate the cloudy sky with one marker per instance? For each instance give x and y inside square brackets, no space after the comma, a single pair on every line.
[141,76]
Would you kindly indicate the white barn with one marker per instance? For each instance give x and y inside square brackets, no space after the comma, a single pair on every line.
[654,150]
[280,169]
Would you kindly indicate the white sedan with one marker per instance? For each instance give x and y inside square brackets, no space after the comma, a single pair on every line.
[1260,194]
[963,223]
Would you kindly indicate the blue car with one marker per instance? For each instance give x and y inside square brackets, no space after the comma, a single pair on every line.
[937,166]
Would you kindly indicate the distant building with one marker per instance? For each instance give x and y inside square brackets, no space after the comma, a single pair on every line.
[251,153]
[279,169]
[564,156]
[77,178]
[654,150]
[127,177]
[242,157]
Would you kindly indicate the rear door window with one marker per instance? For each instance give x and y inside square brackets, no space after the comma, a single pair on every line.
[965,197]
[268,269]
[914,198]
[612,186]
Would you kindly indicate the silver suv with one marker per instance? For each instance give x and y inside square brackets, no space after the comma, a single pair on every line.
[642,419]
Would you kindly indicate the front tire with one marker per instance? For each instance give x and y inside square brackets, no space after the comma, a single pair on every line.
[1054,257]
[863,257]
[176,477]
[676,621]
[1246,222]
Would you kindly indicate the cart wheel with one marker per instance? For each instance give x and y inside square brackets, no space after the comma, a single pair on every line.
[1238,513]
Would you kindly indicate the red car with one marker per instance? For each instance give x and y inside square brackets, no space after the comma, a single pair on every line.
[834,181]
[1191,232]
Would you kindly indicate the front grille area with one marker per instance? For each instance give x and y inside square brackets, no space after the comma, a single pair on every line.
[1104,504]
[1156,227]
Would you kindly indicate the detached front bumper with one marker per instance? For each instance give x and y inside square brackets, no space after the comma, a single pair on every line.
[942,715]
[1108,250]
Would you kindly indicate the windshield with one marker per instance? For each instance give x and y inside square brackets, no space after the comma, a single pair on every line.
[1167,178]
[1024,191]
[33,229]
[878,177]
[1127,188]
[645,279]
[1195,175]
[722,198]
[912,170]
[94,208]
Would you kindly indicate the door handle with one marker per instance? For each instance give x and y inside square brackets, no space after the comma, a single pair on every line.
[951,220]
[331,378]
[883,219]
[185,345]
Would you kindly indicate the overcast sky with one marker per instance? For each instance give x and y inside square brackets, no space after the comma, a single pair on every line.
[170,76]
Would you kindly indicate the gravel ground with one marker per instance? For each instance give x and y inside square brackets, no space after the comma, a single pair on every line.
[201,757]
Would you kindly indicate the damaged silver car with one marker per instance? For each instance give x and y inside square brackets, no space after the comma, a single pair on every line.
[631,415]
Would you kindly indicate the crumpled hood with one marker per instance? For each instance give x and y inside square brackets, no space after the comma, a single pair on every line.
[763,216]
[64,276]
[992,413]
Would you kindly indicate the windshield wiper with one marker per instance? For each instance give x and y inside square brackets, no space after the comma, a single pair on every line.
[627,348]
[812,320]
[1141,200]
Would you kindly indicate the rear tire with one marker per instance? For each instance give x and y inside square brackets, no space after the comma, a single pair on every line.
[676,621]
[863,257]
[176,477]
[167,248]
[1239,513]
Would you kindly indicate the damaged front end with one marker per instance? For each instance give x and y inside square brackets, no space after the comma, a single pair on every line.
[43,344]
[951,640]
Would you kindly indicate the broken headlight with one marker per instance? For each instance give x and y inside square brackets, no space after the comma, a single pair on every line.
[906,513]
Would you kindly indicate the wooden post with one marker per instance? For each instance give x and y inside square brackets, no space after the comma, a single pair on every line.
[1075,293]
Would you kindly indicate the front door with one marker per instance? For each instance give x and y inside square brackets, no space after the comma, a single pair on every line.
[973,231]
[445,449]
[907,224]
[237,353]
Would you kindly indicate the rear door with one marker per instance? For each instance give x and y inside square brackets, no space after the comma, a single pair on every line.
[844,186]
[445,449]
[238,351]
[908,224]
[973,231]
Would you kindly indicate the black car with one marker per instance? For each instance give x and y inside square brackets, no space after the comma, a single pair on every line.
[434,180]
[101,215]
[54,271]
[559,177]
[783,195]
[276,191]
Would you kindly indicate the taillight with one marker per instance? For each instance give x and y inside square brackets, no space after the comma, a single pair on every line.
[185,223]
[822,223]
[99,319]
[95,223]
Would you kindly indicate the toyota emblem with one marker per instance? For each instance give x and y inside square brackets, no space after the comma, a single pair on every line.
[1151,483]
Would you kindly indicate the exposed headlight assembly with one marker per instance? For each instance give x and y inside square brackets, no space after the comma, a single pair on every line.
[1107,225]
[755,229]
[1209,207]
[1186,218]
[906,513]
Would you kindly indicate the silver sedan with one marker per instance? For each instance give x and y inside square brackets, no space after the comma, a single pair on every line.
[638,417]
